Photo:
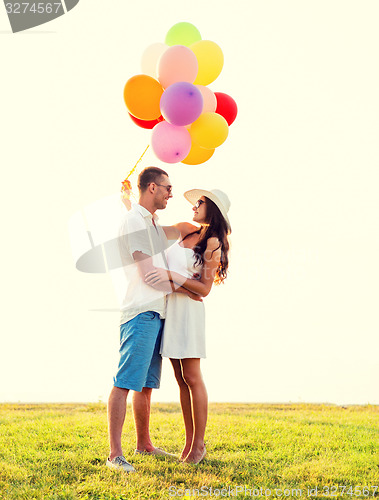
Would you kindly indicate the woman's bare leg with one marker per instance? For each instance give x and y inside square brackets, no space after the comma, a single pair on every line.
[193,378]
[185,403]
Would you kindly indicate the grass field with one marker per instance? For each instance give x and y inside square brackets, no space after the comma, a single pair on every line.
[58,451]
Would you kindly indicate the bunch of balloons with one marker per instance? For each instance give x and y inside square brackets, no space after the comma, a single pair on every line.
[171,97]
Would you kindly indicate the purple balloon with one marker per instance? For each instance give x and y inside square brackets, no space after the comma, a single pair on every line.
[170,143]
[181,103]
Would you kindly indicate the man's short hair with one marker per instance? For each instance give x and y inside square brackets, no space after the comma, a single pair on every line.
[149,174]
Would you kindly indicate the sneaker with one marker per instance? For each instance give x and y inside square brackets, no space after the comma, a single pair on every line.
[156,451]
[121,464]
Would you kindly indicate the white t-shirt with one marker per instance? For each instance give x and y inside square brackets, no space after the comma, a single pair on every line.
[138,233]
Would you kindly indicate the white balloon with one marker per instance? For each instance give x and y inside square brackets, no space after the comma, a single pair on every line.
[150,58]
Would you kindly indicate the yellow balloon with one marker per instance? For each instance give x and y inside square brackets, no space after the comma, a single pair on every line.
[210,130]
[197,155]
[142,95]
[210,59]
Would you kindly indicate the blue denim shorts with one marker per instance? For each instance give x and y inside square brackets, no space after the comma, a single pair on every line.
[140,362]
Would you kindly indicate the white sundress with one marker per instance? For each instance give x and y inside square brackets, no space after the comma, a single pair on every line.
[184,328]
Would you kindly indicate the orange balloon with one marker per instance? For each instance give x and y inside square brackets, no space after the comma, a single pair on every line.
[197,155]
[142,95]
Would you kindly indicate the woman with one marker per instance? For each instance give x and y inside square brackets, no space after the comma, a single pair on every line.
[197,261]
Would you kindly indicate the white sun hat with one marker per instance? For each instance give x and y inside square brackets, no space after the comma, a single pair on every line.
[218,197]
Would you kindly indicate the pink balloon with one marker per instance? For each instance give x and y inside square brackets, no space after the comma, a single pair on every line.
[210,101]
[170,143]
[181,103]
[177,64]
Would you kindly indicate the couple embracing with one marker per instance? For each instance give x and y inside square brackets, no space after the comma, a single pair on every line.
[162,312]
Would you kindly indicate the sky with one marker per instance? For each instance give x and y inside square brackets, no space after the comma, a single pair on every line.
[296,320]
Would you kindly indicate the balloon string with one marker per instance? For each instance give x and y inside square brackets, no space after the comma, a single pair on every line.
[135,166]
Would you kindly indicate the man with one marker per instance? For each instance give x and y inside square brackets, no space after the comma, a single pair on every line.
[142,242]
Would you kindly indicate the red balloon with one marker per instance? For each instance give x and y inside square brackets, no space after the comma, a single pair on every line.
[146,123]
[226,107]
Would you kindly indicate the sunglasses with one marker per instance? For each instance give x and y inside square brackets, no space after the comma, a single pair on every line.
[198,203]
[169,187]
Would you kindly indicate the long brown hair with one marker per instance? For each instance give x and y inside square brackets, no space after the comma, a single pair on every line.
[214,226]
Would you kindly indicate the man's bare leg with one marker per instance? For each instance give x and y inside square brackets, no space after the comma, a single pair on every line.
[116,418]
[141,412]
